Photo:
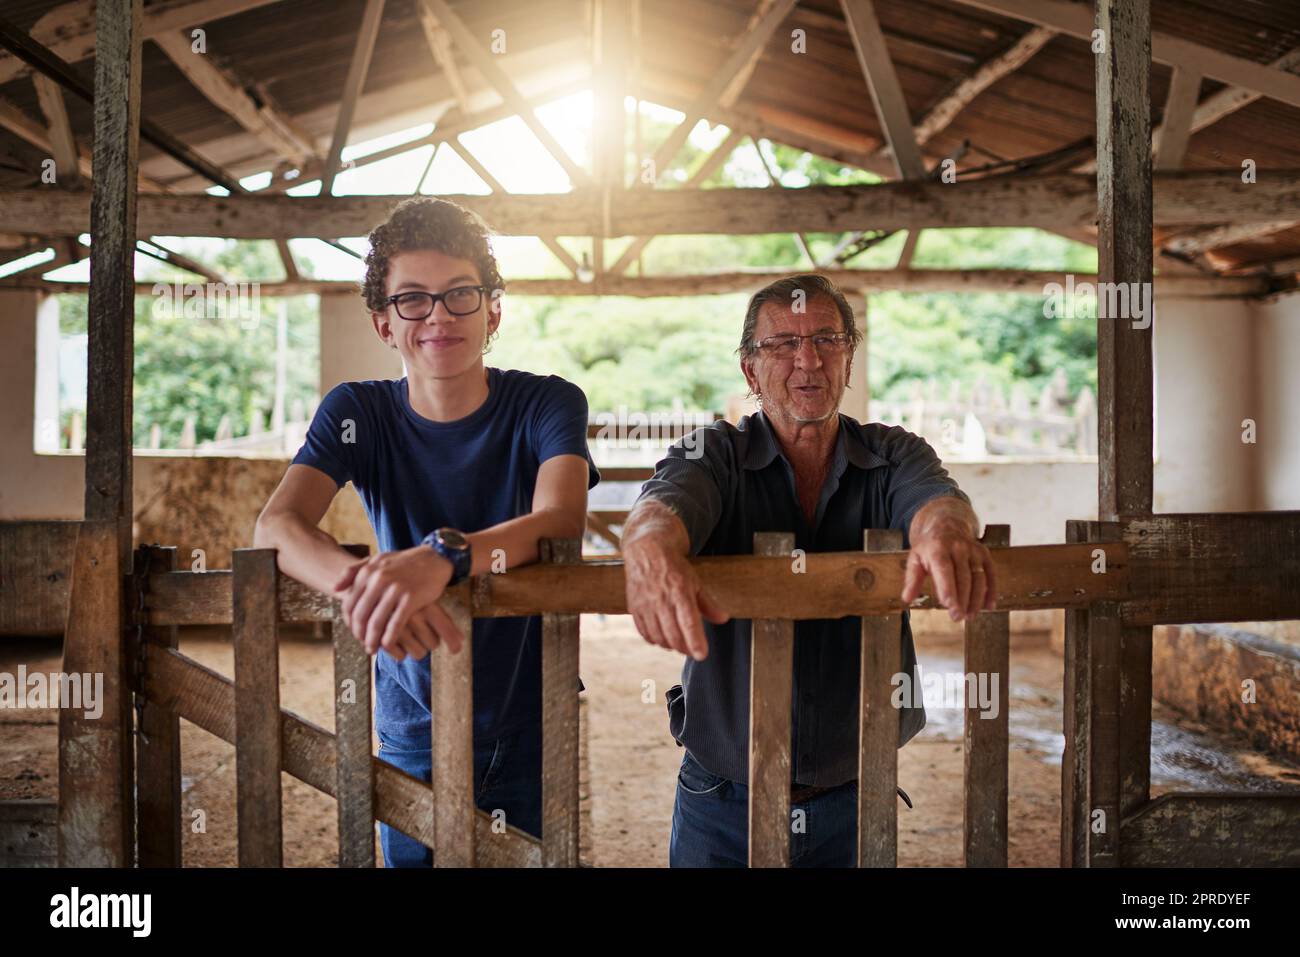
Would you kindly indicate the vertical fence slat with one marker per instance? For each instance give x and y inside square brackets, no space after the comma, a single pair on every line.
[257,707]
[354,782]
[1074,778]
[158,749]
[771,680]
[96,766]
[987,742]
[560,646]
[878,724]
[1104,656]
[453,740]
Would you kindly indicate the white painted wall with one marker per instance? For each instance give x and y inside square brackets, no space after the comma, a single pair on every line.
[1277,412]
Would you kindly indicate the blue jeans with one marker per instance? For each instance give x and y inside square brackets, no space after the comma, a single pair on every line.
[711,823]
[507,778]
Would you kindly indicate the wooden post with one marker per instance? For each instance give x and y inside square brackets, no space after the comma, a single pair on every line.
[560,722]
[1074,702]
[158,747]
[255,632]
[878,724]
[354,770]
[96,770]
[1124,354]
[452,706]
[1104,640]
[96,796]
[988,653]
[771,685]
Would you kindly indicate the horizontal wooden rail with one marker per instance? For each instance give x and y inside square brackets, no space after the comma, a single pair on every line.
[202,696]
[831,585]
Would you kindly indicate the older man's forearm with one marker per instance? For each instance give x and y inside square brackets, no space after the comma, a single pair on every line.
[946,514]
[654,524]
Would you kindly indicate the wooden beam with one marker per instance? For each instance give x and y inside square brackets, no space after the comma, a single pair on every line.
[69,29]
[886,92]
[712,91]
[1076,20]
[774,179]
[355,775]
[367,33]
[1176,125]
[1029,282]
[737,84]
[440,46]
[1214,237]
[1124,218]
[1048,200]
[452,708]
[158,747]
[560,681]
[67,158]
[273,128]
[492,72]
[939,116]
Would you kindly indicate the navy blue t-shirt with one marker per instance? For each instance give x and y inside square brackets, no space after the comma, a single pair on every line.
[415,475]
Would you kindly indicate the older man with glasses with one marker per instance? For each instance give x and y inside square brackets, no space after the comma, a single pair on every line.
[797,465]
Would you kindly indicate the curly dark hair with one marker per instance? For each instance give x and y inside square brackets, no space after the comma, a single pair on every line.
[428,223]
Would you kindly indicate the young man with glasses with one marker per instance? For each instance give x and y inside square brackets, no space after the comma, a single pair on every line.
[462,469]
[798,465]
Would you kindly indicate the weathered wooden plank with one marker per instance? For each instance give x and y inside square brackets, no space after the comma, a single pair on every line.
[257,707]
[207,699]
[837,584]
[771,682]
[452,707]
[987,741]
[1074,704]
[96,764]
[1194,567]
[35,574]
[355,784]
[878,724]
[1135,717]
[158,748]
[560,722]
[1125,398]
[1214,829]
[29,832]
[1045,200]
[1104,662]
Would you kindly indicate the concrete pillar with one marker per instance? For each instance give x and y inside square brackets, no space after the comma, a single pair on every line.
[45,419]
[350,351]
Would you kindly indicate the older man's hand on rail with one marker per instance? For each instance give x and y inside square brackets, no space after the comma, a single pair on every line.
[664,594]
[944,536]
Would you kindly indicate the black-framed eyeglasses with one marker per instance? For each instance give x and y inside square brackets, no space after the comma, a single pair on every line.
[785,346]
[458,301]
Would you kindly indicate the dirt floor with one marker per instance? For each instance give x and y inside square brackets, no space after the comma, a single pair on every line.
[630,761]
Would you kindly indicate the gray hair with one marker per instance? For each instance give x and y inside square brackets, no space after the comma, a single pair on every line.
[782,292]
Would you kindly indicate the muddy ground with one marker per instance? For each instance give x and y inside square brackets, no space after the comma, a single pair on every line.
[630,762]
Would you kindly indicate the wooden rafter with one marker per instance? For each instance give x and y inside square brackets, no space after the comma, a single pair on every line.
[738,83]
[710,93]
[69,29]
[486,64]
[67,160]
[1077,20]
[1180,105]
[939,116]
[481,171]
[276,130]
[774,179]
[440,46]
[352,85]
[1214,237]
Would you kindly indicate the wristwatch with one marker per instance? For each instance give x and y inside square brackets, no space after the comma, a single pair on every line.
[452,545]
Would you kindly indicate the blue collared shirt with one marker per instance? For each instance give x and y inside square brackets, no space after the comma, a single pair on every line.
[727,482]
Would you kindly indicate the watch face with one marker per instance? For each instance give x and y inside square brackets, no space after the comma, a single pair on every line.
[452,538]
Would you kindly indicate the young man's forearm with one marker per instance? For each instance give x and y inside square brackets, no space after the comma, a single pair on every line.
[306,553]
[516,542]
